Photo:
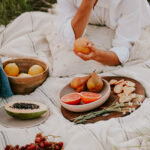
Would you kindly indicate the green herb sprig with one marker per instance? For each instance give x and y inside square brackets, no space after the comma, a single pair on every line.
[121,108]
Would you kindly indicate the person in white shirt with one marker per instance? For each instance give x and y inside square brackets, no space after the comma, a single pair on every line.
[126,17]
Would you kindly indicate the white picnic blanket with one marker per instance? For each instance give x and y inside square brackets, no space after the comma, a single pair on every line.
[28,36]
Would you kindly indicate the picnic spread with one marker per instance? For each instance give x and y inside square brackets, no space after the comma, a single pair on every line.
[33,35]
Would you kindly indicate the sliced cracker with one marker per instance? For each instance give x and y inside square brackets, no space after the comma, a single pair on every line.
[130,84]
[113,82]
[133,95]
[118,89]
[121,95]
[128,90]
[120,81]
[125,99]
[139,98]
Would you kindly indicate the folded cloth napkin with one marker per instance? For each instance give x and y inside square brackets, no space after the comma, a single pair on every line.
[5,90]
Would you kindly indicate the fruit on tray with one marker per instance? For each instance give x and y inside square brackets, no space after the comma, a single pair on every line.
[75,98]
[80,45]
[35,70]
[79,83]
[23,75]
[11,69]
[72,98]
[41,143]
[95,83]
[25,109]
[88,97]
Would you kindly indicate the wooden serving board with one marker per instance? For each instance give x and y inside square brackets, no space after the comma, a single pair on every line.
[112,99]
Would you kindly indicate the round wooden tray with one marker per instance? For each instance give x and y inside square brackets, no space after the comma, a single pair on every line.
[112,99]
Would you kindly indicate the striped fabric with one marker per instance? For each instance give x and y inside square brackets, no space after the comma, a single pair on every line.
[26,37]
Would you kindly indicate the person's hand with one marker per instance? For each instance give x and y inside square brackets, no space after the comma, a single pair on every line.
[91,56]
[105,57]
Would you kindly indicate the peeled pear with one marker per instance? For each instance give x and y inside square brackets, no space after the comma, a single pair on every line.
[95,83]
[79,83]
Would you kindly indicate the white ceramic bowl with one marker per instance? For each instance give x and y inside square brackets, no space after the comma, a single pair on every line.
[86,107]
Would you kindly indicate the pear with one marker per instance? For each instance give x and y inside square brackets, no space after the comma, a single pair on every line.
[95,83]
[81,88]
[79,83]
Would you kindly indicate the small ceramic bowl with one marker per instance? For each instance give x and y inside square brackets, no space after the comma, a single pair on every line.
[86,107]
[26,85]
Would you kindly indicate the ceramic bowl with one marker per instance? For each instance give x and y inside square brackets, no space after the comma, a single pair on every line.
[86,107]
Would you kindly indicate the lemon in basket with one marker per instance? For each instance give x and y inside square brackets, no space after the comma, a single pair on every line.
[23,75]
[11,69]
[35,70]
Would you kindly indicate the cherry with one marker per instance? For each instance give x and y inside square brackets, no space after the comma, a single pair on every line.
[22,148]
[43,139]
[42,145]
[32,147]
[8,147]
[37,148]
[39,135]
[47,144]
[38,140]
[57,147]
[17,146]
[61,144]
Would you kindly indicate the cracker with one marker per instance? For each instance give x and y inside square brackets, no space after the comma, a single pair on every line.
[125,99]
[120,81]
[130,84]
[121,95]
[113,82]
[128,90]
[139,98]
[118,89]
[133,95]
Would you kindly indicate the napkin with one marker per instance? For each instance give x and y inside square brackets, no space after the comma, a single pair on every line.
[5,90]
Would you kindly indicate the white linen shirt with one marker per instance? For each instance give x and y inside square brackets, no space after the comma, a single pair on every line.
[126,17]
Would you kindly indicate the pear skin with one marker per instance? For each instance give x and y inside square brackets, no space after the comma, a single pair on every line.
[95,83]
[81,88]
[79,82]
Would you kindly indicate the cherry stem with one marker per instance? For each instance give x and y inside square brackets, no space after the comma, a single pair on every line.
[52,136]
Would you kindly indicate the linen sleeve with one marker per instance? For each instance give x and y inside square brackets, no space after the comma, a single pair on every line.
[66,11]
[128,29]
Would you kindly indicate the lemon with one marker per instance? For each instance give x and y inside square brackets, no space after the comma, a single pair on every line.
[11,69]
[35,70]
[22,75]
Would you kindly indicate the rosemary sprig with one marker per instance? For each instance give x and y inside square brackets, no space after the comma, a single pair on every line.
[114,108]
